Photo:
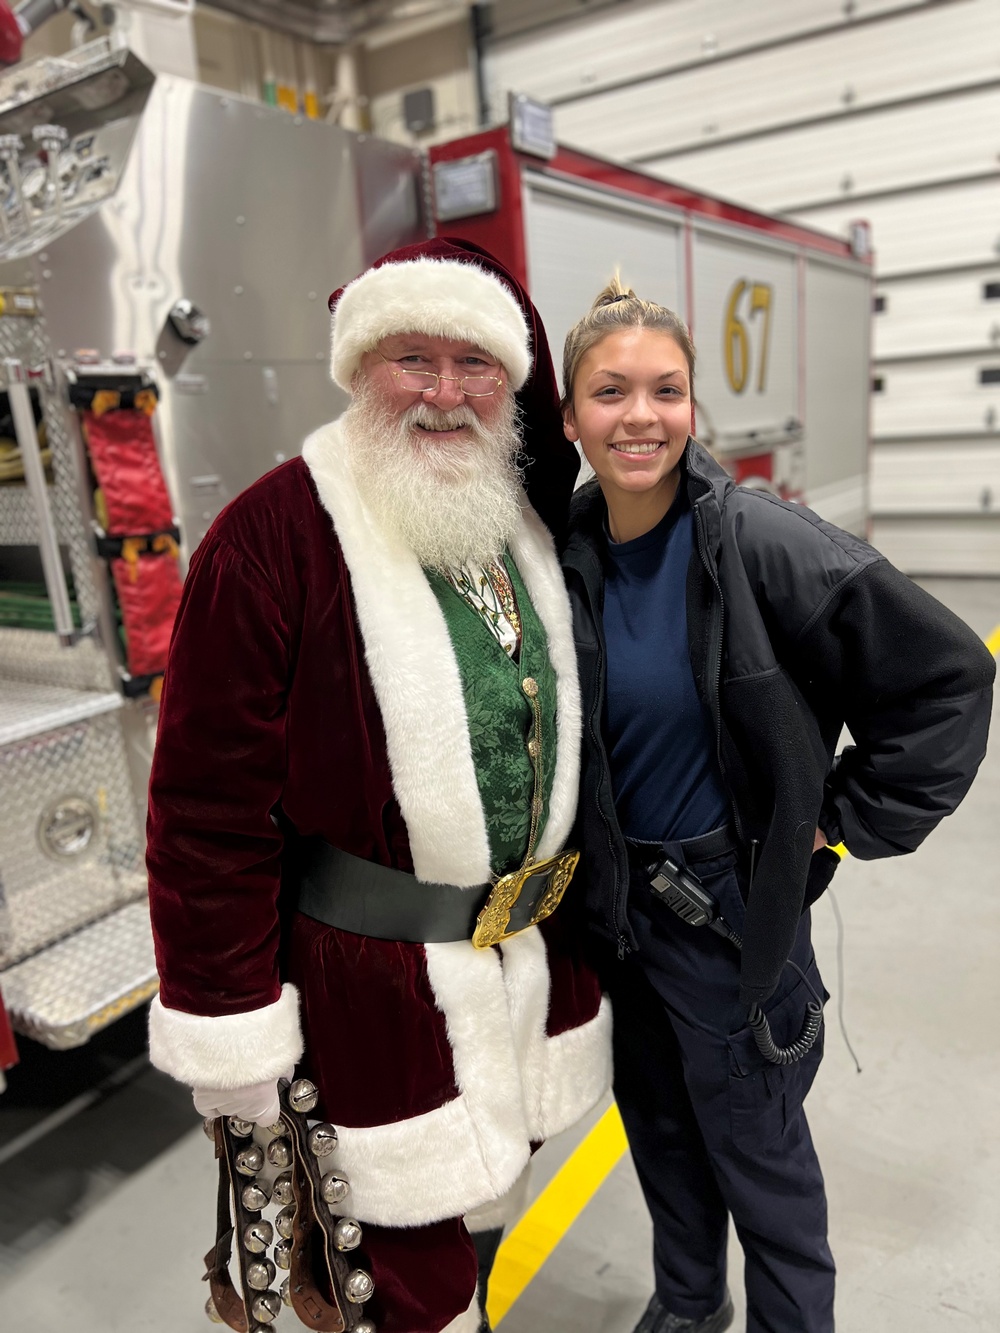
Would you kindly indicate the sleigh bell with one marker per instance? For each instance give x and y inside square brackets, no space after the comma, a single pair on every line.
[281,1191]
[255,1197]
[284,1222]
[239,1127]
[260,1274]
[347,1234]
[257,1236]
[303,1096]
[266,1307]
[279,1153]
[286,1291]
[283,1254]
[334,1187]
[358,1287]
[249,1161]
[212,1312]
[322,1140]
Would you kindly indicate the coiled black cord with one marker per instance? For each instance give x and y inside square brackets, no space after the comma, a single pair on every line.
[803,1043]
[761,1028]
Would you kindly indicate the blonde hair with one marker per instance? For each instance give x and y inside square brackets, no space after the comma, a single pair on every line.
[618,307]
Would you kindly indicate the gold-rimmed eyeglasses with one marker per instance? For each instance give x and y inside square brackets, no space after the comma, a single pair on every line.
[426,381]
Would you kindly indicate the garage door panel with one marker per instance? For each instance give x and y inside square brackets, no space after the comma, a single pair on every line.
[846,69]
[884,150]
[942,546]
[644,38]
[936,478]
[935,398]
[924,229]
[938,314]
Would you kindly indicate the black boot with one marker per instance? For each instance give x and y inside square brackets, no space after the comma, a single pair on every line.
[487,1243]
[658,1320]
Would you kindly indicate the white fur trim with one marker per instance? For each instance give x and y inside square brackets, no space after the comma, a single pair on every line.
[577,1065]
[415,676]
[444,298]
[516,1086]
[562,1077]
[230,1050]
[534,554]
[473,1148]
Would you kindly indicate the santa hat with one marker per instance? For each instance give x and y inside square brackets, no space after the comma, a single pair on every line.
[444,298]
[550,462]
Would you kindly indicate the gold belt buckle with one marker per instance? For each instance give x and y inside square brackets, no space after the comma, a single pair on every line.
[493,920]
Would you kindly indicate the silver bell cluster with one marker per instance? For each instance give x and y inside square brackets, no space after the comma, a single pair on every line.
[259,1235]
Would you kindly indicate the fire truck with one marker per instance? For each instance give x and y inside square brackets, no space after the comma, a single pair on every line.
[165,257]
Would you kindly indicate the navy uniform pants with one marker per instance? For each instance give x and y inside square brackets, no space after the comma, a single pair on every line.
[715,1130]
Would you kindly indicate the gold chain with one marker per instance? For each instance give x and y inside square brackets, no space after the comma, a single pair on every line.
[530,687]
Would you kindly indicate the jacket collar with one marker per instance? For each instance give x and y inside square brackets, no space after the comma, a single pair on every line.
[708,486]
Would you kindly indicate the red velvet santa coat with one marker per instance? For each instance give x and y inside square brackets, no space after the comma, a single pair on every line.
[311,674]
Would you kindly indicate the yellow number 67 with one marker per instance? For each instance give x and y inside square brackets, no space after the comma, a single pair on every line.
[736,338]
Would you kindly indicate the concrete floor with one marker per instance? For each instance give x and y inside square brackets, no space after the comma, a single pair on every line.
[103,1222]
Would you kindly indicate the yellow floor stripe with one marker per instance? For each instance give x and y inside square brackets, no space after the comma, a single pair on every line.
[554,1211]
[562,1201]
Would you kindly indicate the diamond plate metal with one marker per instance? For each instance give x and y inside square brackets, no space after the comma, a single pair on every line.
[42,898]
[66,994]
[28,710]
[39,658]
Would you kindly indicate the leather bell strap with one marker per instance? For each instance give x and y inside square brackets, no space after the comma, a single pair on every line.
[326,1292]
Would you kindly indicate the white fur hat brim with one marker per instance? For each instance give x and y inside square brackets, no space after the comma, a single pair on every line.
[442,298]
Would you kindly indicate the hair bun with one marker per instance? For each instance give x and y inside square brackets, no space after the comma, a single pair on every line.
[613,293]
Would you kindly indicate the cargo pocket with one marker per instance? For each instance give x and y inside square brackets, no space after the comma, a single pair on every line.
[765,1098]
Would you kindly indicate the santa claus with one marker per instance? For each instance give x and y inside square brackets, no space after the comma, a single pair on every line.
[365,777]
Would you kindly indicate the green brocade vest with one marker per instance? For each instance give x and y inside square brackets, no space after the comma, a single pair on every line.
[501,721]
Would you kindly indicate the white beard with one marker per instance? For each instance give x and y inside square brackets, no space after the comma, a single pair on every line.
[452,502]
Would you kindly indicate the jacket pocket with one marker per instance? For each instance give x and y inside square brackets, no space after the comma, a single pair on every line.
[822,869]
[765,1098]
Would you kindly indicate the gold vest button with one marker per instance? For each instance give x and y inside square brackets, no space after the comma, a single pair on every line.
[530,686]
[534,749]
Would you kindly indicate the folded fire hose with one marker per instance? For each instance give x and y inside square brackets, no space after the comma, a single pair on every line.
[322,1287]
[133,507]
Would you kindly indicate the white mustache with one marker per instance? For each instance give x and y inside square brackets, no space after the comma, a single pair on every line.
[426,414]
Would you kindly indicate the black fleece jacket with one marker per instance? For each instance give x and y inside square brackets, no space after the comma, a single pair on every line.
[796,629]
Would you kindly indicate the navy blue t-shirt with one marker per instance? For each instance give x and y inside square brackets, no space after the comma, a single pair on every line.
[659,736]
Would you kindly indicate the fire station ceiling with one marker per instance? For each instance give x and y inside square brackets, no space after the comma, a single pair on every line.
[333,21]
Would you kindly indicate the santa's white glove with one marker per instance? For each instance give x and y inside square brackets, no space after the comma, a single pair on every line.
[258,1103]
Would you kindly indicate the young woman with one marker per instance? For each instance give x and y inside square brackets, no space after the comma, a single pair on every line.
[725,638]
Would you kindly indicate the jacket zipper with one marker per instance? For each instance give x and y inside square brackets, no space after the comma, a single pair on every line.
[623,945]
[717,674]
[616,894]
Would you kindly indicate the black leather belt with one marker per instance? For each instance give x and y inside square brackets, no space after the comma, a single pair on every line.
[706,847]
[709,845]
[352,894]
